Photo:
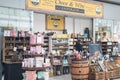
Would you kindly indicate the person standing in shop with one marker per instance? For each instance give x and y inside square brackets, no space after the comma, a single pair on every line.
[104,37]
[78,46]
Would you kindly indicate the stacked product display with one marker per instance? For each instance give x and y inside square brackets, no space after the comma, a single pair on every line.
[44,55]
[60,48]
[28,49]
[109,47]
[104,70]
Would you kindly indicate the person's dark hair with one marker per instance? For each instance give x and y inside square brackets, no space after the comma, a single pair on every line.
[78,45]
[104,33]
[78,40]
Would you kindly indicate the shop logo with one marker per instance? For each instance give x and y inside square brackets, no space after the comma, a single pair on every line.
[98,10]
[35,2]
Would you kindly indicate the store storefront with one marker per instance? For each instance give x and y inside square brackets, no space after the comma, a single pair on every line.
[47,38]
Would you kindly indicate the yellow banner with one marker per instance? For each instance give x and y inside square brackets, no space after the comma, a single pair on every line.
[55,22]
[61,36]
[73,7]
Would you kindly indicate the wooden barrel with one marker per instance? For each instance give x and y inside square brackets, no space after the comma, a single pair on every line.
[79,69]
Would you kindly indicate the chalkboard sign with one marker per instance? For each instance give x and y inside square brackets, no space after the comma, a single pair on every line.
[95,47]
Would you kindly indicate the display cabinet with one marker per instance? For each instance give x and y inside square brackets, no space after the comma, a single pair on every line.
[107,47]
[13,48]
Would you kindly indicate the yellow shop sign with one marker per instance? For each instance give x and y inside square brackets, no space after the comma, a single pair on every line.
[61,36]
[73,7]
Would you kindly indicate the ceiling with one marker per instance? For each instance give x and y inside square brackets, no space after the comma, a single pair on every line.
[116,2]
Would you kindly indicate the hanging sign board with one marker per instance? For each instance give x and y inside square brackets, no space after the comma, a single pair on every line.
[55,22]
[66,7]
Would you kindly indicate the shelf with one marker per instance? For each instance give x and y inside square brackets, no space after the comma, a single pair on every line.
[57,65]
[85,41]
[9,42]
[46,40]
[33,54]
[9,55]
[9,36]
[26,42]
[71,45]
[7,62]
[64,48]
[36,44]
[53,38]
[106,45]
[60,44]
[66,65]
[9,48]
[35,68]
[21,42]
[57,56]
[107,51]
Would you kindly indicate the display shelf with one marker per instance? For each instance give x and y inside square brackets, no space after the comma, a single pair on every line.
[46,43]
[33,54]
[15,45]
[37,45]
[83,40]
[64,48]
[8,62]
[8,48]
[34,68]
[10,55]
[58,44]
[36,55]
[57,56]
[107,47]
[57,65]
[10,42]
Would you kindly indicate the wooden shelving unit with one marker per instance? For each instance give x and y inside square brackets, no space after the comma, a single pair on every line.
[107,47]
[46,43]
[13,49]
[60,45]
[35,68]
[83,40]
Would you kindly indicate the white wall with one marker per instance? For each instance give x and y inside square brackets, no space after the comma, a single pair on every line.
[13,3]
[39,22]
[79,26]
[111,11]
[39,19]
[69,24]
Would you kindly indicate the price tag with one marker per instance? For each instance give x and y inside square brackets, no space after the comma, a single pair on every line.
[24,48]
[15,49]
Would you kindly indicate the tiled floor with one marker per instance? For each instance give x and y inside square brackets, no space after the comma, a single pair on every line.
[63,77]
[67,77]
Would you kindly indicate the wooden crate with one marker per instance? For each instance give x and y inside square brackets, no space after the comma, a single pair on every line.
[97,76]
[107,75]
[116,72]
[112,74]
